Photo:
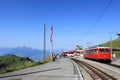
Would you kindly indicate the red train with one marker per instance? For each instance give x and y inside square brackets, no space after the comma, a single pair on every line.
[102,54]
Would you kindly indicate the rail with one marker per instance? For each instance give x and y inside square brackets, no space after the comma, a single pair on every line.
[94,72]
[114,65]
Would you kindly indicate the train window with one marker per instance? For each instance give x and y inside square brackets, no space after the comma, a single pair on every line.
[102,50]
[88,51]
[95,51]
[107,50]
[91,51]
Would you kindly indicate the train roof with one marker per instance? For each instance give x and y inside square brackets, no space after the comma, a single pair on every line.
[97,48]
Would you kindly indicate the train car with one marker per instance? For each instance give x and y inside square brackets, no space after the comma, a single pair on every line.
[69,53]
[102,54]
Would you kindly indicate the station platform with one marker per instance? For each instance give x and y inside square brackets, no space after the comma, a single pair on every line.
[62,69]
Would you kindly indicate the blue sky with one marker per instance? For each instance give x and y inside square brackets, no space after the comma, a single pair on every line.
[22,21]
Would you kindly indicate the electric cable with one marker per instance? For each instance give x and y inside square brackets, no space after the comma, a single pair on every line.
[103,12]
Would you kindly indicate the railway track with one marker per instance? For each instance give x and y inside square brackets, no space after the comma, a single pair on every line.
[114,65]
[95,73]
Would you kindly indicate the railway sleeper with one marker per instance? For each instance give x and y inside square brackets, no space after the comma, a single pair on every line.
[95,73]
[90,72]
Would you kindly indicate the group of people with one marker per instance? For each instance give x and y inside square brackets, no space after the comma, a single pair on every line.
[56,57]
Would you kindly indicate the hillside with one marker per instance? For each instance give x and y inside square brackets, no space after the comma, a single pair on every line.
[12,62]
[115,44]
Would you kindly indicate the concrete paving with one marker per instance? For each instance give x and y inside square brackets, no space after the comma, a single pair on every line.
[117,62]
[63,69]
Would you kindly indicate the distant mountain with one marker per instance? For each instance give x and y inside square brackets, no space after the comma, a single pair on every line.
[34,54]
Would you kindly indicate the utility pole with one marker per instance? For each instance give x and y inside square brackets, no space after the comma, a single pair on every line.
[111,46]
[44,41]
[111,42]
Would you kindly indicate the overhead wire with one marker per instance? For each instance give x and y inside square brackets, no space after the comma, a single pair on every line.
[98,18]
[103,12]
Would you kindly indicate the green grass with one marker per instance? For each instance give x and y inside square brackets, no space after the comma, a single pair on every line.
[115,44]
[117,54]
[12,62]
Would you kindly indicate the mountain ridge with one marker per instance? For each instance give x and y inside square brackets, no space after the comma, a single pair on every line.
[34,54]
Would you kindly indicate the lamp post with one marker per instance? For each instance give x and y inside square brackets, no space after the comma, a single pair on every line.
[111,46]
